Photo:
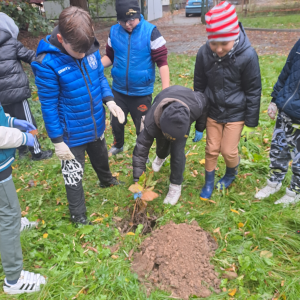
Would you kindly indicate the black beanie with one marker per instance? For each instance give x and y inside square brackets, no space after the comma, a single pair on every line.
[175,121]
[127,9]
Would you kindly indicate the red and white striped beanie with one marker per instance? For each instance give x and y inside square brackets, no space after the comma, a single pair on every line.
[222,24]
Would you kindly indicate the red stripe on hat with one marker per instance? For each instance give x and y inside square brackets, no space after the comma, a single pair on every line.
[221,18]
[215,29]
[217,10]
[216,36]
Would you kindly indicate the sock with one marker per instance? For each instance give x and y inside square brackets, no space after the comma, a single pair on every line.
[12,282]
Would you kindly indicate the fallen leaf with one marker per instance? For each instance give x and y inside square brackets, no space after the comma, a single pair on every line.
[114,256]
[149,195]
[106,216]
[24,213]
[246,175]
[232,292]
[116,208]
[34,132]
[240,225]
[189,154]
[235,211]
[45,235]
[266,141]
[18,190]
[230,275]
[202,161]
[255,249]
[92,249]
[98,220]
[135,188]
[217,230]
[212,201]
[266,254]
[282,283]
[242,193]
[117,219]
[115,174]
[130,253]
[195,172]
[130,233]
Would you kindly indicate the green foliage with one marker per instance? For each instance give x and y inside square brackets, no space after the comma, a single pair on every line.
[26,16]
[290,21]
[247,227]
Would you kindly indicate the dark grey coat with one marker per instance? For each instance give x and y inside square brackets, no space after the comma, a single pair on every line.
[196,102]
[232,83]
[14,84]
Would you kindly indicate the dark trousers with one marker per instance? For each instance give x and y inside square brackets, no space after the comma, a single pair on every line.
[137,106]
[165,147]
[98,155]
[285,147]
[21,110]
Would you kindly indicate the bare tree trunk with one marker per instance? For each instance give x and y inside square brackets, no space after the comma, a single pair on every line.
[79,3]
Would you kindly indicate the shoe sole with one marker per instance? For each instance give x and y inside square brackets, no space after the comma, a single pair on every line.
[17,292]
[204,199]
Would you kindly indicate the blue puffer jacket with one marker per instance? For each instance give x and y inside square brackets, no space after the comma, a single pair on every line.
[7,156]
[286,92]
[133,70]
[71,93]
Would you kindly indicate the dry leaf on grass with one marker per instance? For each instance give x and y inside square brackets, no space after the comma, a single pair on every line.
[130,233]
[240,225]
[202,161]
[235,211]
[135,188]
[232,292]
[266,254]
[149,195]
[45,235]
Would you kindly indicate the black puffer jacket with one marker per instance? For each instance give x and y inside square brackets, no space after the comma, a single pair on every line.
[14,84]
[196,102]
[232,83]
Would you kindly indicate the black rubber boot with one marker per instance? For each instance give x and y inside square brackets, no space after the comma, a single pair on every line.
[112,182]
[80,219]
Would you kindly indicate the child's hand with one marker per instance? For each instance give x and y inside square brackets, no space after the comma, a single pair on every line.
[116,111]
[30,140]
[63,152]
[272,110]
[247,130]
[23,125]
[198,136]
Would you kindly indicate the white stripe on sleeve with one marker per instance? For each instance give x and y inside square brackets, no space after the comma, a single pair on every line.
[159,42]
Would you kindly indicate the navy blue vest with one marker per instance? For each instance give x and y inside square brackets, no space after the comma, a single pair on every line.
[133,70]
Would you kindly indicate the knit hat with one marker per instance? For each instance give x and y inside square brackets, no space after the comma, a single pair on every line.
[127,9]
[175,121]
[222,24]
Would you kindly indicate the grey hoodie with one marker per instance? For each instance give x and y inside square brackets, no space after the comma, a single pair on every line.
[8,24]
[14,85]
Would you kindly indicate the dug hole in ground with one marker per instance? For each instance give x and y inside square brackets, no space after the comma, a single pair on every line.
[176,258]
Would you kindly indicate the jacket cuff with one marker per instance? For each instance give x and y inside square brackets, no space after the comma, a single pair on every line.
[57,140]
[11,122]
[25,139]
[107,99]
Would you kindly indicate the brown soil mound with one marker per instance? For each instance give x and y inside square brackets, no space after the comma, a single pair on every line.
[176,258]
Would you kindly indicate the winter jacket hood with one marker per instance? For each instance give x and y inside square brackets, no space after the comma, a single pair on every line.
[8,24]
[198,106]
[14,84]
[71,92]
[232,83]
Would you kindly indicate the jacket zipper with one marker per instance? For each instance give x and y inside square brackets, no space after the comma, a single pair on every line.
[91,99]
[127,69]
[288,100]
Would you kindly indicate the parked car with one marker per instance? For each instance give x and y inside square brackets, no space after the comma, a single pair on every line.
[195,6]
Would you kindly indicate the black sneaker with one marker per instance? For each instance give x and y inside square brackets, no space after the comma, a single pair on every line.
[112,182]
[42,155]
[81,219]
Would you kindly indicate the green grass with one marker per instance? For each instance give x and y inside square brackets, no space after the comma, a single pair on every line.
[75,272]
[269,20]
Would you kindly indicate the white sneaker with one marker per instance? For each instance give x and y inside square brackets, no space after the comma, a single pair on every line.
[270,189]
[28,283]
[157,163]
[290,197]
[173,194]
[26,224]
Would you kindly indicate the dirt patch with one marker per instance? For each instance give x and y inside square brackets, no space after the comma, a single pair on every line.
[176,258]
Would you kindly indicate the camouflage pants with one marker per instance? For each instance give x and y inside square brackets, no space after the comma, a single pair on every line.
[285,147]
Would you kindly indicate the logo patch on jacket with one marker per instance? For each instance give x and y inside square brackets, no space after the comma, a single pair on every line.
[92,60]
[63,70]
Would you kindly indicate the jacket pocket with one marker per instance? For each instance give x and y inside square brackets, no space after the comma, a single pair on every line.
[66,128]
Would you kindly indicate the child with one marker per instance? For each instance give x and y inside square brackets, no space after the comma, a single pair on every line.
[227,71]
[14,85]
[72,89]
[286,136]
[169,120]
[133,48]
[17,281]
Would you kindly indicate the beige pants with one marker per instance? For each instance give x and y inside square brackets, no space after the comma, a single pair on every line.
[222,138]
